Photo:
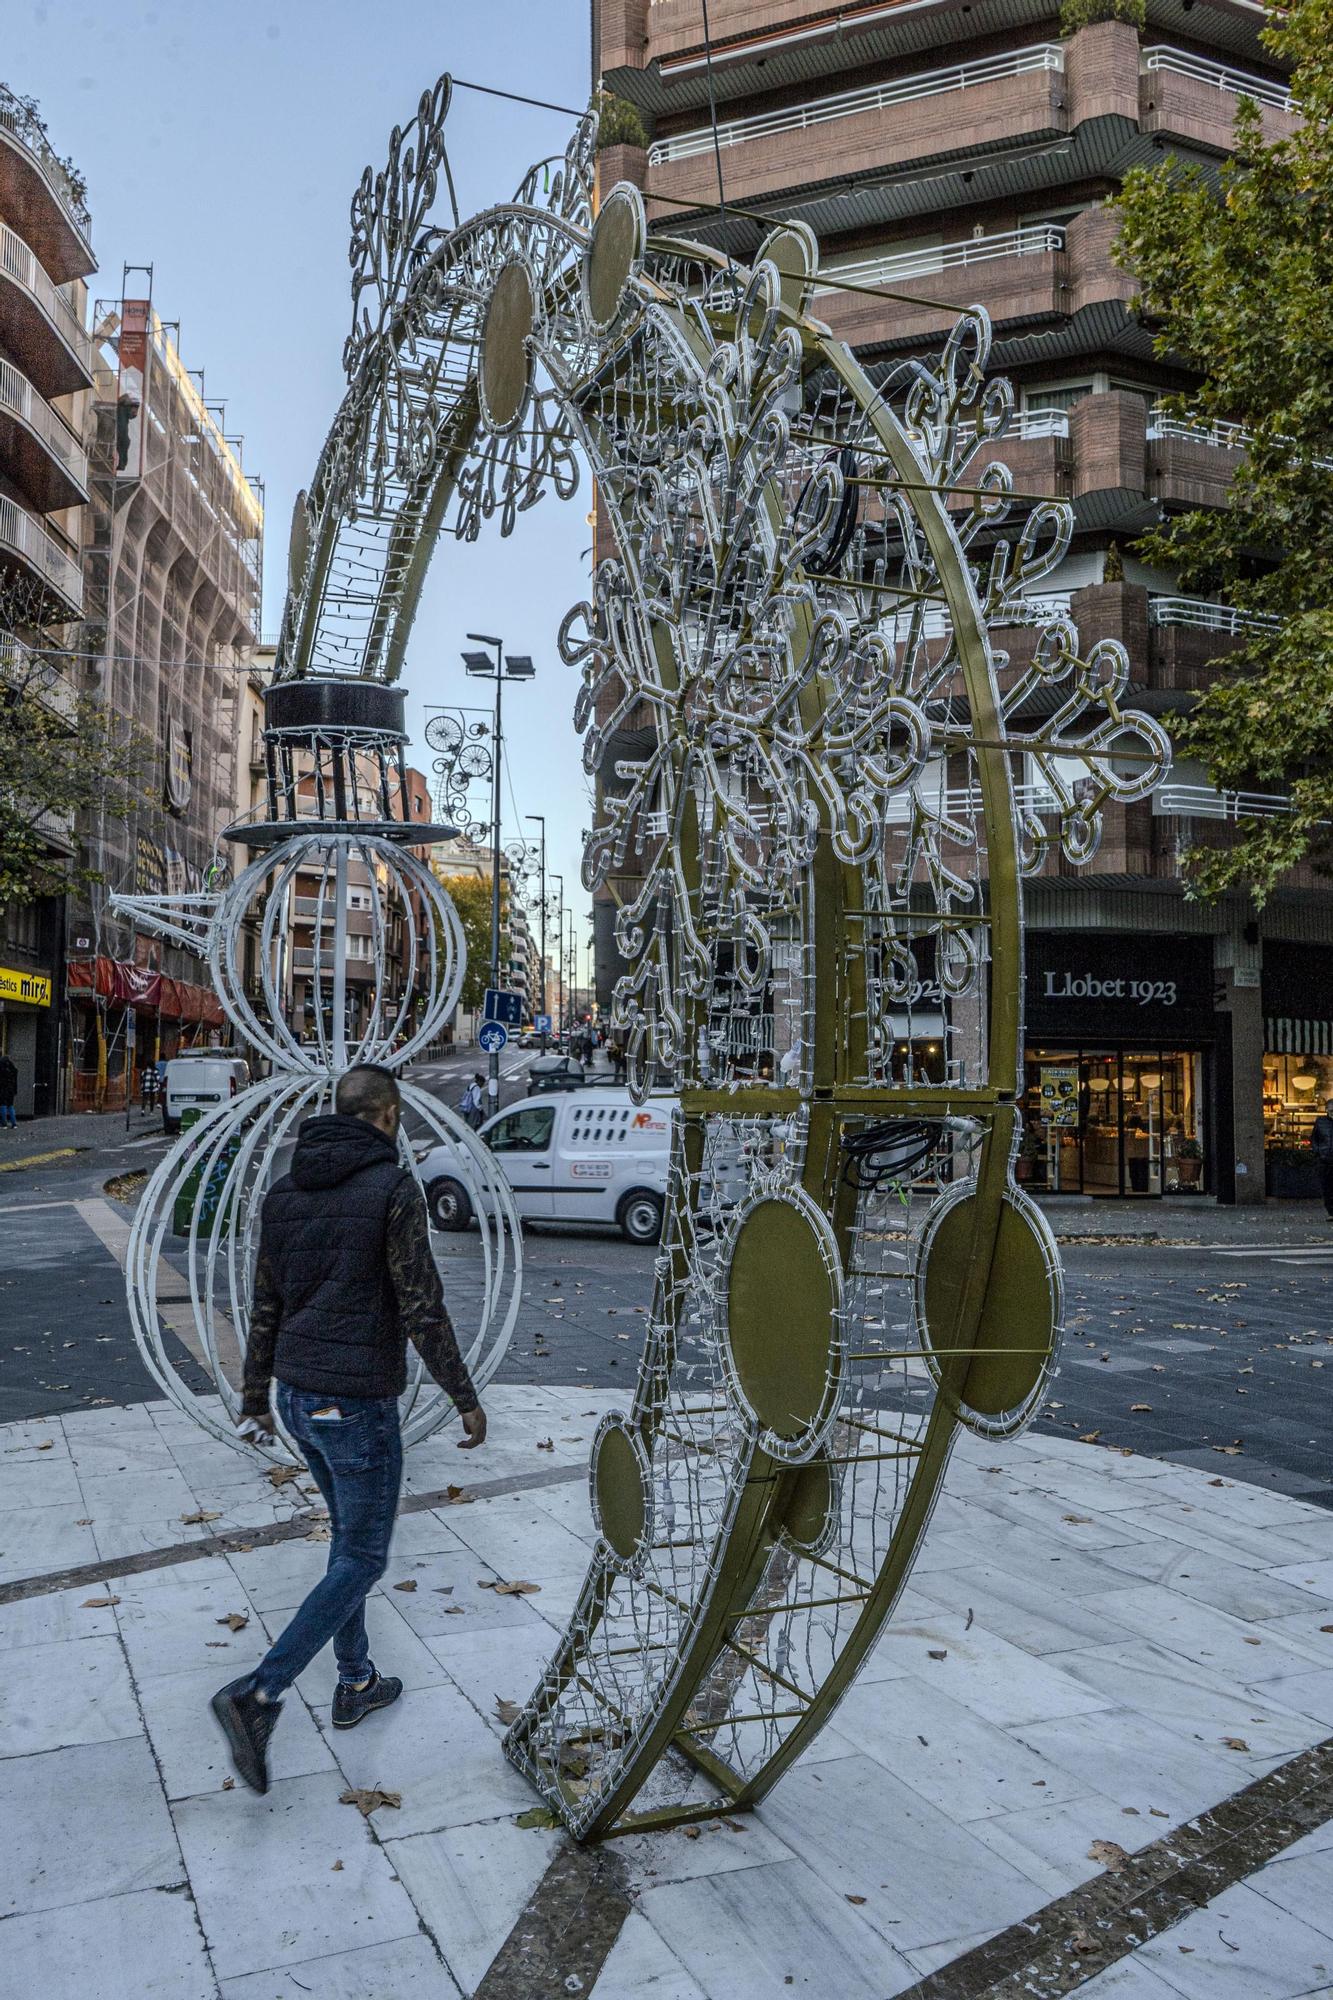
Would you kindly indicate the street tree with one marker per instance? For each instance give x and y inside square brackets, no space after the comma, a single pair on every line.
[471,897]
[1236,277]
[64,756]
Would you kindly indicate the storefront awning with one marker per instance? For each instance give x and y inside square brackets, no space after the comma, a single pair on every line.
[1284,1036]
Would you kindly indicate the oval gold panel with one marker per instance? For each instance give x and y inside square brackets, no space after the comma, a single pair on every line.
[784,1320]
[506,366]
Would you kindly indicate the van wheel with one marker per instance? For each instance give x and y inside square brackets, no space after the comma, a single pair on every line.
[640,1216]
[171,1126]
[448,1204]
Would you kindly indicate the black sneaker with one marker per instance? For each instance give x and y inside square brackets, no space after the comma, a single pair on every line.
[247,1723]
[351,1704]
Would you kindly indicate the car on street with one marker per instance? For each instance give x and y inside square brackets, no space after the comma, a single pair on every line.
[557,1073]
[201,1079]
[586,1156]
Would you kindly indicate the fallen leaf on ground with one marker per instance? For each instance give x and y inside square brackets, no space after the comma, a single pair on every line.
[1083,1942]
[691,1832]
[229,1784]
[86,1522]
[1078,1520]
[456,1497]
[279,1475]
[408,1583]
[1109,1853]
[454,1611]
[856,1899]
[941,1654]
[235,1620]
[1235,1743]
[537,1816]
[319,1533]
[46,1444]
[368,1799]
[507,1711]
[1248,1641]
[520,1588]
[1140,1409]
[98,1603]
[203,1514]
[1229,1450]
[336,1868]
[1089,1437]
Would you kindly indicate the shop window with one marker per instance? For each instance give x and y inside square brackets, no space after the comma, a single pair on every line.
[1113,1121]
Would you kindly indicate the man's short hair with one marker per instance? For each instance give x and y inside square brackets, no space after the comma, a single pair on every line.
[367,1090]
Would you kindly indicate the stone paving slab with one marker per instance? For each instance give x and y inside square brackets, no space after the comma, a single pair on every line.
[1126,1645]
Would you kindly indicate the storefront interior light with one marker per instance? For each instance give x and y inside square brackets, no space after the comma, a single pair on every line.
[1099,1083]
[1151,1079]
[1305,1079]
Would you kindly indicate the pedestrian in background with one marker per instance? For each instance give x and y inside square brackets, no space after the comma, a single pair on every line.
[1321,1139]
[345,1278]
[471,1102]
[9,1084]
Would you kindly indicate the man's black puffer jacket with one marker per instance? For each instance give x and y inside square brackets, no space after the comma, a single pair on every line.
[324,1235]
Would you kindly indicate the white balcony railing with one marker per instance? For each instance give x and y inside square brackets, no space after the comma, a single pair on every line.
[23,533]
[21,668]
[1200,612]
[27,128]
[17,260]
[873,97]
[17,394]
[1231,82]
[1227,437]
[1036,240]
[1039,424]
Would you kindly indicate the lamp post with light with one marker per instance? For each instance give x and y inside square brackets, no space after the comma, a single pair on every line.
[540,819]
[504,667]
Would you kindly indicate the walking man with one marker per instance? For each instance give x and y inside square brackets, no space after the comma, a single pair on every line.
[345,1278]
[1321,1138]
[9,1084]
[472,1101]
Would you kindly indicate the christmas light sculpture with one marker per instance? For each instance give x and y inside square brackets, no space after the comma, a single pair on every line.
[833,723]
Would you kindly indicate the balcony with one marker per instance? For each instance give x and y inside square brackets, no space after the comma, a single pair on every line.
[35,189]
[1193,100]
[997,102]
[1059,279]
[36,550]
[44,331]
[38,446]
[37,676]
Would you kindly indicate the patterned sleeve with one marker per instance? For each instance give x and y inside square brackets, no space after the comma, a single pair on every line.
[416,1284]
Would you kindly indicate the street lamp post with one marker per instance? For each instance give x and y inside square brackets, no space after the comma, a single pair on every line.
[540,818]
[559,880]
[505,667]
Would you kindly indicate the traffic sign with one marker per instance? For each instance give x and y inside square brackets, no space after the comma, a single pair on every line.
[542,1024]
[493,1037]
[506,1007]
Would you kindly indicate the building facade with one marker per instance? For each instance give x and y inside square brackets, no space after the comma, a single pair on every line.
[46,375]
[173,573]
[947,154]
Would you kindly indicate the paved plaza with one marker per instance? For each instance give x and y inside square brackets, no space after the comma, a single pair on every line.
[1095,1650]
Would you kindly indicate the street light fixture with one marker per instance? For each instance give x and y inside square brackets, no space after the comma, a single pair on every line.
[540,819]
[514,667]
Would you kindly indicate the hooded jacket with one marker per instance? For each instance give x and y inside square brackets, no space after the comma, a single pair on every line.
[346,1276]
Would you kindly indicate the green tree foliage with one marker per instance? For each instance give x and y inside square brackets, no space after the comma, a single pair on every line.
[63,756]
[1238,281]
[1076,14]
[471,897]
[618,122]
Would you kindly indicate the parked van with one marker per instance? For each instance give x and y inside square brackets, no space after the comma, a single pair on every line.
[202,1079]
[580,1156]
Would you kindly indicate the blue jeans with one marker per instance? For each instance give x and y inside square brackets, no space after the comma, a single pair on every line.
[356,1459]
[8,1115]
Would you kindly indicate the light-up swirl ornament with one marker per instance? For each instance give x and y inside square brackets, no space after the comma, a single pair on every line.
[820,785]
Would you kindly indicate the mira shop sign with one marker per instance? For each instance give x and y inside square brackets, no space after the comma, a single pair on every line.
[1098,983]
[33,988]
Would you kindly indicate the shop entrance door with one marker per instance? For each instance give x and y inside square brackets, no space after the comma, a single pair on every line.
[1113,1122]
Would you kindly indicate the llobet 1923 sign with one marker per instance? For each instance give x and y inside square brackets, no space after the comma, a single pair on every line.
[1098,983]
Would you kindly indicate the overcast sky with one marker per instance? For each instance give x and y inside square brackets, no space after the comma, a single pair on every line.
[222,140]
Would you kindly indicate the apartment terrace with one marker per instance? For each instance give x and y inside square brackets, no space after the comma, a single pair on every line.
[1099,93]
[47,459]
[45,332]
[25,542]
[36,192]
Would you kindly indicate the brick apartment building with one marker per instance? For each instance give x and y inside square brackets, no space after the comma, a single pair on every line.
[968,150]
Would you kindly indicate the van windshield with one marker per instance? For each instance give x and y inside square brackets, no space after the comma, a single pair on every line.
[527,1130]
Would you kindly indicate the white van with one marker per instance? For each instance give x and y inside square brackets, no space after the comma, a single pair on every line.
[201,1079]
[579,1156]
